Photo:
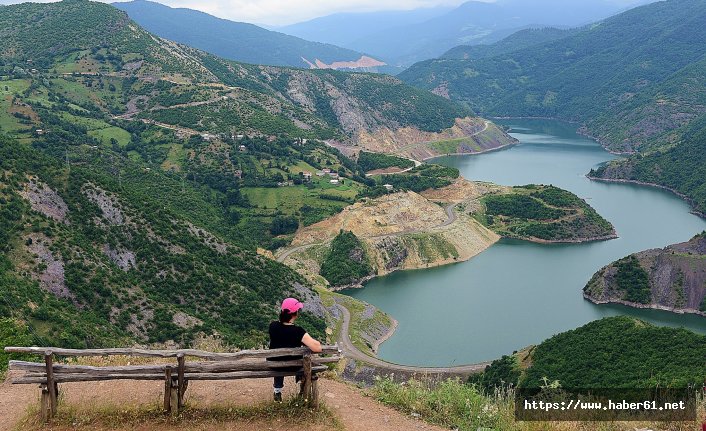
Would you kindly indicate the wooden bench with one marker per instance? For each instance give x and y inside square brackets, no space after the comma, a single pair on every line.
[245,364]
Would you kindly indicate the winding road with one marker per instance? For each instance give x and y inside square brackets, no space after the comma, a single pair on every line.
[352,352]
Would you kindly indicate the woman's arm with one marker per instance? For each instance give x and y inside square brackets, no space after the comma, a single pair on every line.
[310,342]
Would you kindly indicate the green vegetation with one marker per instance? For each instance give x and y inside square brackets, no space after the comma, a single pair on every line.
[347,262]
[633,280]
[450,404]
[546,213]
[615,352]
[223,289]
[619,352]
[233,40]
[372,161]
[681,167]
[421,178]
[650,50]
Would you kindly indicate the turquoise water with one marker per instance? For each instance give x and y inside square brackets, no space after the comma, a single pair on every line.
[517,293]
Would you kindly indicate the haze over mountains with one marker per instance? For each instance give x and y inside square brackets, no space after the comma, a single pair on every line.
[407,39]
[242,41]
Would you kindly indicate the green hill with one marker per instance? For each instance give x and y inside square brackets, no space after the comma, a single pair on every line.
[515,42]
[614,352]
[139,176]
[78,73]
[236,40]
[631,78]
[89,258]
[635,82]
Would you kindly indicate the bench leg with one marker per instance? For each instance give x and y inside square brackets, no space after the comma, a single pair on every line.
[45,404]
[314,391]
[168,390]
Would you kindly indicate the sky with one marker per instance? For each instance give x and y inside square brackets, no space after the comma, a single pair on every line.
[282,12]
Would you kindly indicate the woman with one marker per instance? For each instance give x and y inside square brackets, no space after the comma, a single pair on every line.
[284,333]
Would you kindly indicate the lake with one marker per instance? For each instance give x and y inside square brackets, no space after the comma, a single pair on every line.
[518,293]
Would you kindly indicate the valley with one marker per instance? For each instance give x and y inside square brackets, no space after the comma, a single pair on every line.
[168,176]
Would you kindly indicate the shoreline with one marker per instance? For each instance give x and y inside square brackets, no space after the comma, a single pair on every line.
[614,235]
[489,150]
[390,332]
[684,197]
[649,306]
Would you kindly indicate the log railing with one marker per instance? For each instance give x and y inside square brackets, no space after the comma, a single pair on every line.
[218,366]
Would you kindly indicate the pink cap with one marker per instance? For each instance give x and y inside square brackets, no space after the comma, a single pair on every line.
[291,305]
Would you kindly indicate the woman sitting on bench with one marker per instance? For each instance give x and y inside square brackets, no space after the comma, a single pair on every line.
[285,334]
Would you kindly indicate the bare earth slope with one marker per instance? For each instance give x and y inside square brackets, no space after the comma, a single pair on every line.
[400,231]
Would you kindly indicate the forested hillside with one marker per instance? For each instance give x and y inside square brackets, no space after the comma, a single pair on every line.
[632,78]
[614,352]
[79,73]
[634,81]
[90,257]
[139,176]
[241,41]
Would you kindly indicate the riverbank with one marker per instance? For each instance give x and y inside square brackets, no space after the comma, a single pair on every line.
[686,198]
[643,306]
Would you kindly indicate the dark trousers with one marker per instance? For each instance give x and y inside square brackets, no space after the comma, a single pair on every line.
[279,381]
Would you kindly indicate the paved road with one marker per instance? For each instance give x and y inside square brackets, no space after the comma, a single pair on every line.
[352,352]
[450,218]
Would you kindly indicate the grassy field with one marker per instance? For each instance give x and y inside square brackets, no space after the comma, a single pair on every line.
[8,88]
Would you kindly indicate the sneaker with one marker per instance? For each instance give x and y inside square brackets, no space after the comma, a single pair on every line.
[278,397]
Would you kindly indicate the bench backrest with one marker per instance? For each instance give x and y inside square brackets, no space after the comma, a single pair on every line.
[219,366]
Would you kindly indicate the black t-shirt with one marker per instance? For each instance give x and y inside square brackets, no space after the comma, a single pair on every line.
[284,336]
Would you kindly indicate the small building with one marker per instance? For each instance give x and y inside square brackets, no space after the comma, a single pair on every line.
[334,175]
[388,187]
[208,136]
[304,141]
[334,181]
[320,173]
[326,170]
[238,174]
[242,148]
[306,175]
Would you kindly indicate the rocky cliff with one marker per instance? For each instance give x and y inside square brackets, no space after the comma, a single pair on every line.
[672,278]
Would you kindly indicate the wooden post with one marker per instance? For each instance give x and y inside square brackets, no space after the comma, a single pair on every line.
[51,384]
[45,404]
[315,391]
[181,385]
[306,383]
[168,390]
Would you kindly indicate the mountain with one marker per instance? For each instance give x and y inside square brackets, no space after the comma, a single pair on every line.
[474,23]
[344,28]
[140,177]
[672,278]
[515,42]
[241,41]
[631,78]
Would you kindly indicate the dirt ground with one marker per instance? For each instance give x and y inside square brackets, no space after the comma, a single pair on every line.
[355,411]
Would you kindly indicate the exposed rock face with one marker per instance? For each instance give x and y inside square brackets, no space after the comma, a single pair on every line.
[468,136]
[676,278]
[45,200]
[51,267]
[400,231]
[109,205]
[208,238]
[125,259]
[312,302]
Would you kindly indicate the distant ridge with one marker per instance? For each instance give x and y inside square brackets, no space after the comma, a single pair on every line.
[240,41]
